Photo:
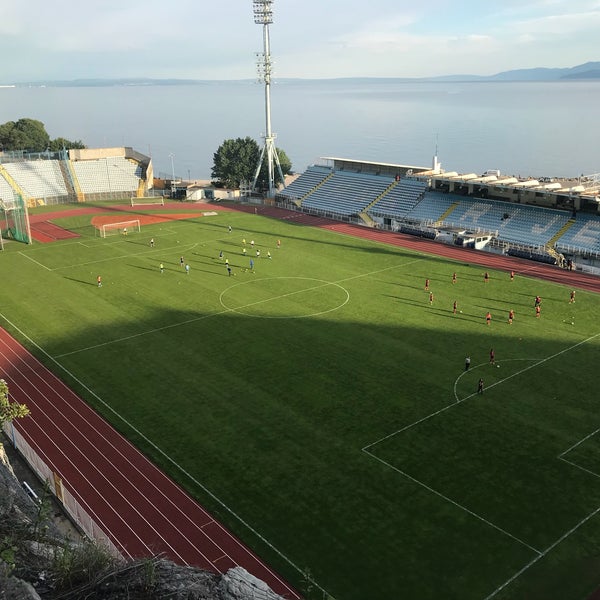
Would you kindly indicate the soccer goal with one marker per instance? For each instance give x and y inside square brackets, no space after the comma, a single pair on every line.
[121,228]
[156,201]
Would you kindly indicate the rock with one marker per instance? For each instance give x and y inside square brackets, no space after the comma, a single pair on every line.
[38,546]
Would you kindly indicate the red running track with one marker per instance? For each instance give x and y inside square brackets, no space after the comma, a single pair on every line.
[140,509]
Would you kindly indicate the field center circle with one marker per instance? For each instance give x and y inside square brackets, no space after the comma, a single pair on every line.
[284,297]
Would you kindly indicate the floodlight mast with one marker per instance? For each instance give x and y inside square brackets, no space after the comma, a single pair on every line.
[263,15]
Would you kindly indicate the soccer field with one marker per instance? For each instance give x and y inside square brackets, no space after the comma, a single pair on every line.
[319,404]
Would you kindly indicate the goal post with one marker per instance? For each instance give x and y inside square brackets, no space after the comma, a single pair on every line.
[120,228]
[156,201]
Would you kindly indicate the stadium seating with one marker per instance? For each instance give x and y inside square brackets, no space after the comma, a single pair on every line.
[431,208]
[400,200]
[582,236]
[512,222]
[306,182]
[103,175]
[346,193]
[39,178]
[7,194]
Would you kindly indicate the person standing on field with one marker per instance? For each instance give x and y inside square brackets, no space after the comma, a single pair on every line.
[162,268]
[511,316]
[99,281]
[151,242]
[454,306]
[572,298]
[492,357]
[480,386]
[488,318]
[467,363]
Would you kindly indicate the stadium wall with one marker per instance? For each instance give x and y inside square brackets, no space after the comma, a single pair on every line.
[60,489]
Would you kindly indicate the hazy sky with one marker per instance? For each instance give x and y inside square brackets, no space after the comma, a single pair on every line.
[197,39]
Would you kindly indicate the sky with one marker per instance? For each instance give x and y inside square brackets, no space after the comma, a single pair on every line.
[196,39]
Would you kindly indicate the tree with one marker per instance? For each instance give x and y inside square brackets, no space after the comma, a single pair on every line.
[263,176]
[9,410]
[59,143]
[236,160]
[24,134]
[30,135]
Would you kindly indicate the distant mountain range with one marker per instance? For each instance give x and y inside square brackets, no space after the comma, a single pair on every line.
[589,70]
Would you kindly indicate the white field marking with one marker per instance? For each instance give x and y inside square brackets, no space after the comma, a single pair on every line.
[132,255]
[158,490]
[405,264]
[546,551]
[584,439]
[180,469]
[573,464]
[34,261]
[136,335]
[453,502]
[214,314]
[311,289]
[194,320]
[540,554]
[457,401]
[493,384]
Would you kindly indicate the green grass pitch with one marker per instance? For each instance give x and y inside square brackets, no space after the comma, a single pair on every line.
[324,400]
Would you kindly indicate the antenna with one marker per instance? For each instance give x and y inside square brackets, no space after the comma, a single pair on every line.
[263,15]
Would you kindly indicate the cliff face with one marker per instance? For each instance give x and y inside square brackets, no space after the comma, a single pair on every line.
[38,563]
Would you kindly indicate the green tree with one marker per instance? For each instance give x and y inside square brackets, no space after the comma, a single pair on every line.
[236,160]
[60,143]
[24,134]
[286,169]
[9,410]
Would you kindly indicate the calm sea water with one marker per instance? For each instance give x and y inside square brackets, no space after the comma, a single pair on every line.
[538,129]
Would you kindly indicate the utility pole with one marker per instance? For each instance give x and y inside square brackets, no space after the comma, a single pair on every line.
[263,15]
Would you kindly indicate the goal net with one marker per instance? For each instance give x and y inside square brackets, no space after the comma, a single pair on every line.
[14,219]
[157,201]
[121,228]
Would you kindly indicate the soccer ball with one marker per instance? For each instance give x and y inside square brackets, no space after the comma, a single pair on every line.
[498,366]
[460,311]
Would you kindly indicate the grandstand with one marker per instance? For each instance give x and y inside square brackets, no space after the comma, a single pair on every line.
[76,176]
[529,218]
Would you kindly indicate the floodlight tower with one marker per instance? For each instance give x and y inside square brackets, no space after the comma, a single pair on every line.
[263,15]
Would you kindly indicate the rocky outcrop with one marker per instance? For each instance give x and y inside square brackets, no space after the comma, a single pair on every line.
[37,563]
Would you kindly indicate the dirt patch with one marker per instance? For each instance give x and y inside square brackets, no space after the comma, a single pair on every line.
[100,220]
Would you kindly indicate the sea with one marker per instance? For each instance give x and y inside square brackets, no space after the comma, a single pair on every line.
[537,129]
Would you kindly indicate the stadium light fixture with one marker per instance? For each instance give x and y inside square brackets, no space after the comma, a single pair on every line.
[263,15]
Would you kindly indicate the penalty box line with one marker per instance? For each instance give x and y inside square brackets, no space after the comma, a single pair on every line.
[539,553]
